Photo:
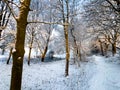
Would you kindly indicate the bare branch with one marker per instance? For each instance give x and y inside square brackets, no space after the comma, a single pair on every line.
[11,10]
[48,22]
[113,6]
[13,3]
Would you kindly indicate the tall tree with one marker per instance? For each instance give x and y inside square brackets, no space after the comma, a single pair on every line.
[64,13]
[48,28]
[18,54]
[31,35]
[65,16]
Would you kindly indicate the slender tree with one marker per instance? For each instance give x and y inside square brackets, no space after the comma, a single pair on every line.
[10,54]
[65,19]
[31,40]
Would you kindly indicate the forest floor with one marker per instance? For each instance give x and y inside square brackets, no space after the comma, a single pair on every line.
[99,73]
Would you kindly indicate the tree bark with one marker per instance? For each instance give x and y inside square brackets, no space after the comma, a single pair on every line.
[10,54]
[18,54]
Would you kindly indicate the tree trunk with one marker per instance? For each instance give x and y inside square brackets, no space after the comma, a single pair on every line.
[106,48]
[0,33]
[67,50]
[46,49]
[10,54]
[1,15]
[76,51]
[101,47]
[79,52]
[30,48]
[78,57]
[66,22]
[3,51]
[44,53]
[114,49]
[29,56]
[18,54]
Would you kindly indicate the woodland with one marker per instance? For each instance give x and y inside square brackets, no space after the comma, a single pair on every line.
[59,44]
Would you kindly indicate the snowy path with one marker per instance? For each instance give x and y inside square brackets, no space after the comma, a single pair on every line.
[107,76]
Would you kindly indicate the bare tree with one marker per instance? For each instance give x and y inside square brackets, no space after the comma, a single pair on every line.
[31,32]
[107,21]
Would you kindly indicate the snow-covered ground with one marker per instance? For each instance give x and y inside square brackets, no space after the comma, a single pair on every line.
[98,74]
[107,75]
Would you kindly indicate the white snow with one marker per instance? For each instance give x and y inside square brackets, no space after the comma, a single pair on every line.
[107,75]
[98,74]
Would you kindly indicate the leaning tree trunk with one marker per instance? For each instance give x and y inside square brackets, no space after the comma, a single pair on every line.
[47,43]
[45,50]
[10,54]
[18,54]
[76,51]
[44,53]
